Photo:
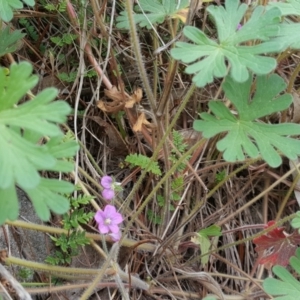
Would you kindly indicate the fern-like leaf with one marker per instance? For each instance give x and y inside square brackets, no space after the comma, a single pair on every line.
[144,162]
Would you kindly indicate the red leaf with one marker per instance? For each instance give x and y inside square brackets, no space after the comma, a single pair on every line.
[276,247]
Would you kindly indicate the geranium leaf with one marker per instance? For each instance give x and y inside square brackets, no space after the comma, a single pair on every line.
[20,160]
[47,196]
[289,7]
[289,35]
[245,135]
[43,112]
[8,40]
[287,287]
[31,141]
[289,32]
[276,247]
[295,223]
[9,204]
[208,57]
[152,12]
[7,7]
[9,94]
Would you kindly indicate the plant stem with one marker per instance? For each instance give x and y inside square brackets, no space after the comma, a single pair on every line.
[94,237]
[156,151]
[138,55]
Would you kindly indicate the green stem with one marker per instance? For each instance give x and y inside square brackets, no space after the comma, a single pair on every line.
[94,237]
[138,55]
[110,261]
[51,269]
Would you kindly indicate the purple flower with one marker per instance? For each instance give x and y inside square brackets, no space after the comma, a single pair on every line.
[108,220]
[108,192]
[107,182]
[239,26]
[115,236]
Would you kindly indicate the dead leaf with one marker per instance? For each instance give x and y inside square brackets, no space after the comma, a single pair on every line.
[119,100]
[182,14]
[109,106]
[130,104]
[138,95]
[139,123]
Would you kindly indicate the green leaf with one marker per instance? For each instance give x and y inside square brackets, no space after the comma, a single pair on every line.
[287,288]
[46,196]
[20,160]
[7,7]
[178,141]
[244,133]
[8,40]
[213,230]
[144,162]
[20,77]
[289,35]
[31,141]
[202,239]
[65,39]
[42,110]
[207,57]
[289,7]
[61,149]
[152,12]
[296,221]
[9,204]
[204,244]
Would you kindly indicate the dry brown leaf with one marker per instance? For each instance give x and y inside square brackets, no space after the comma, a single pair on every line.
[119,100]
[182,14]
[139,123]
[110,107]
[137,95]
[101,105]
[114,94]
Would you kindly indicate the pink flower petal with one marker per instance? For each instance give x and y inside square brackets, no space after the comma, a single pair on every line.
[108,194]
[109,211]
[116,236]
[108,220]
[99,216]
[103,228]
[114,228]
[106,182]
[117,219]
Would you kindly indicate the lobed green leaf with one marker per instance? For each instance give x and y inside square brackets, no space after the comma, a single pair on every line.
[244,134]
[289,7]
[9,40]
[287,287]
[23,152]
[16,85]
[152,12]
[9,204]
[47,196]
[7,7]
[208,58]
